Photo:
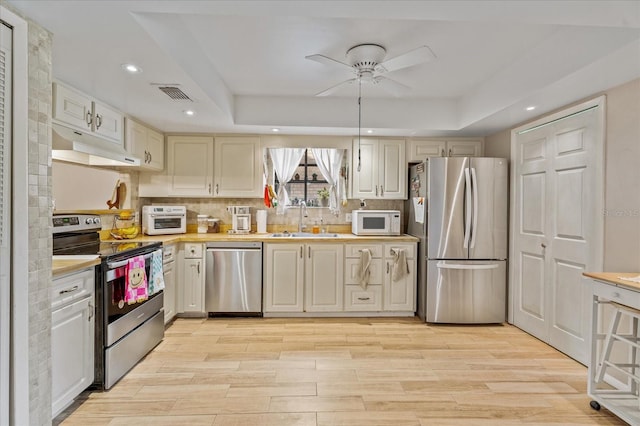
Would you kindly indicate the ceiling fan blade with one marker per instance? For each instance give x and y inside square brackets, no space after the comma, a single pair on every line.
[328,61]
[395,88]
[332,89]
[414,57]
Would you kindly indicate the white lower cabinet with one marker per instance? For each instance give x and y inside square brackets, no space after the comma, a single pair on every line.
[72,337]
[323,278]
[192,283]
[400,289]
[303,277]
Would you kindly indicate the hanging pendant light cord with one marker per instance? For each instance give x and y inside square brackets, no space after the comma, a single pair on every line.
[359,117]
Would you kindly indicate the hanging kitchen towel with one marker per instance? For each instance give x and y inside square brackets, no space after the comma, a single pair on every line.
[400,265]
[364,270]
[156,280]
[136,281]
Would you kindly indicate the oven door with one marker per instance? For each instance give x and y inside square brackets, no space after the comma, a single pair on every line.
[165,224]
[124,307]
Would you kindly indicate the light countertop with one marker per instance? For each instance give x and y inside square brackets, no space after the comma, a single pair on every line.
[61,267]
[614,278]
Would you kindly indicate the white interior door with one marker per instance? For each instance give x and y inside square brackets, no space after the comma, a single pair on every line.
[557,225]
[5,216]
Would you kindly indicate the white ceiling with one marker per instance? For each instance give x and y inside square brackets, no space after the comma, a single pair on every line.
[243,62]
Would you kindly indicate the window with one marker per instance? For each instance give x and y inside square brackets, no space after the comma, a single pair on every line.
[306,182]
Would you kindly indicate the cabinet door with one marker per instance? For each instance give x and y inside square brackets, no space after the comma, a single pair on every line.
[72,349]
[193,286]
[72,107]
[365,181]
[237,167]
[392,169]
[169,291]
[283,278]
[108,122]
[420,150]
[135,140]
[465,148]
[155,148]
[324,278]
[399,294]
[190,165]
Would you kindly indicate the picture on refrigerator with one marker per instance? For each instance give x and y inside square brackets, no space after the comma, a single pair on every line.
[458,209]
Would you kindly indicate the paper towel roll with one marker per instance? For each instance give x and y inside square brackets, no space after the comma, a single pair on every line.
[261,221]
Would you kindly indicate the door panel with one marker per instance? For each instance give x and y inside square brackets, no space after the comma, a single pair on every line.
[557,225]
[446,226]
[466,292]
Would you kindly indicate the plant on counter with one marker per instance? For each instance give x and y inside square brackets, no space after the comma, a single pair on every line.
[323,194]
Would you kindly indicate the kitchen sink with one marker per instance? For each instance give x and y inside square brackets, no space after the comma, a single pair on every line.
[303,235]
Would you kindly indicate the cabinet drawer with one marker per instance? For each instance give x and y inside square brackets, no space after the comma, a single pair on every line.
[353,250]
[192,251]
[357,299]
[351,271]
[72,287]
[169,253]
[617,294]
[409,248]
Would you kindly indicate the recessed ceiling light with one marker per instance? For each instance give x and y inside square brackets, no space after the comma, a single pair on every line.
[189,112]
[131,68]
[275,129]
[369,131]
[530,108]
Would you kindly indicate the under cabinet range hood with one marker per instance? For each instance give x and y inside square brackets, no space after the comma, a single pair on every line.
[77,147]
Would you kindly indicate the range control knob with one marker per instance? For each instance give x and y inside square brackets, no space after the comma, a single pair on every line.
[89,221]
[96,220]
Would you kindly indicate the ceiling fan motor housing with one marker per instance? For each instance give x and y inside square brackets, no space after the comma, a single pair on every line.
[365,57]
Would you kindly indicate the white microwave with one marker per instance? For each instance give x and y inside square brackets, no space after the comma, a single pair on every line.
[162,220]
[375,222]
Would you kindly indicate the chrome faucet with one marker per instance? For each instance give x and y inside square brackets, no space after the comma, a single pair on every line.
[303,211]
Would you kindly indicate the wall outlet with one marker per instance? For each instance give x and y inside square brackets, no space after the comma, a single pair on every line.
[347,217]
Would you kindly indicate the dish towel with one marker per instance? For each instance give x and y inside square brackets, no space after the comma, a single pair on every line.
[400,265]
[156,279]
[136,281]
[364,270]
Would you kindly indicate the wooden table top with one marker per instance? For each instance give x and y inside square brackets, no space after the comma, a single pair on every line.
[614,278]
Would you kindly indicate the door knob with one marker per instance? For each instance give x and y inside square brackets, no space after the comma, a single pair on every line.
[543,245]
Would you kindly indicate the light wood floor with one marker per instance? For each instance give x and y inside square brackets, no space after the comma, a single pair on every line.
[371,372]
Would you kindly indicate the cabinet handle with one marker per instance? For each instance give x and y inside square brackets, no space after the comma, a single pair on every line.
[381,191]
[300,252]
[90,312]
[543,245]
[198,266]
[376,190]
[209,188]
[364,298]
[442,153]
[387,267]
[150,157]
[449,152]
[217,188]
[69,290]
[98,121]
[88,119]
[309,252]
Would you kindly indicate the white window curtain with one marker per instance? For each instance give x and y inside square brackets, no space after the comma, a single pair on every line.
[329,162]
[285,162]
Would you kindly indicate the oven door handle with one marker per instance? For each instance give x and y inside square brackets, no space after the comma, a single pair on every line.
[116,265]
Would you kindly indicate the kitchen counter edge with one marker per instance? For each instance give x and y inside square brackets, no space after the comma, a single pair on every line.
[266,238]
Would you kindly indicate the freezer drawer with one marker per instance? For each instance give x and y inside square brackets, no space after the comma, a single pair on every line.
[466,292]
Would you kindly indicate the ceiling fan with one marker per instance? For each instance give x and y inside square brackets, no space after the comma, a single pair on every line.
[367,62]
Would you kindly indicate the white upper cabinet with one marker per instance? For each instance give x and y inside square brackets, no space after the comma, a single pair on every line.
[146,144]
[86,114]
[237,170]
[382,172]
[420,149]
[190,166]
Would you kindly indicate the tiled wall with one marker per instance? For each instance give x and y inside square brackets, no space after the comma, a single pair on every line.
[40,243]
[217,208]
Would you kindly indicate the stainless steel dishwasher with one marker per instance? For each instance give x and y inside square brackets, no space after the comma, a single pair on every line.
[233,278]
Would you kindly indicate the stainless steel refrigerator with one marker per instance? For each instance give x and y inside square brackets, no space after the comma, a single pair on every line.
[458,208]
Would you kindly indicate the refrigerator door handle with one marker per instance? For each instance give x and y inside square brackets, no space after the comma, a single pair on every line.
[441,265]
[467,207]
[474,185]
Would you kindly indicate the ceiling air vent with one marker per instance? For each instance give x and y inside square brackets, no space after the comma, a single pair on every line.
[174,93]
